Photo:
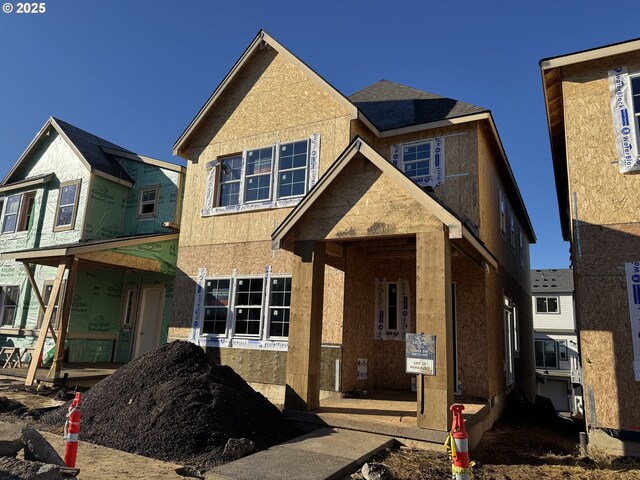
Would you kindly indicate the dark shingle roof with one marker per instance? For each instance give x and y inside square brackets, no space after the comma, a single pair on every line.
[89,147]
[552,281]
[389,105]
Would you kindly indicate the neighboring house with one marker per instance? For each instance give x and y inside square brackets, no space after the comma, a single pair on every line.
[319,229]
[592,100]
[556,339]
[99,223]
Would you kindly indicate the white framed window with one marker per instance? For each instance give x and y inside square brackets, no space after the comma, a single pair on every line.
[148,201]
[503,214]
[546,353]
[47,287]
[67,207]
[18,214]
[547,305]
[9,295]
[247,306]
[257,177]
[293,165]
[230,180]
[129,307]
[416,159]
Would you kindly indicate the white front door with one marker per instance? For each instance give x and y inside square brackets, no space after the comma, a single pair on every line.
[149,319]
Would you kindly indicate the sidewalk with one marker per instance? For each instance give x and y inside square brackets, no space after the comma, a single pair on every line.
[325,454]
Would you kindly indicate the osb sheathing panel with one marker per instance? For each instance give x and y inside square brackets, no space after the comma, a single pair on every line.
[363,202]
[607,351]
[249,259]
[492,179]
[358,319]
[471,326]
[460,190]
[270,101]
[360,129]
[604,195]
[264,366]
[604,249]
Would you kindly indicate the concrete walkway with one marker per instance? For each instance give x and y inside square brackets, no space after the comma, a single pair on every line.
[325,454]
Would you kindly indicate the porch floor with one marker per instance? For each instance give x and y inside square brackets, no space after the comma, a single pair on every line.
[78,374]
[391,413]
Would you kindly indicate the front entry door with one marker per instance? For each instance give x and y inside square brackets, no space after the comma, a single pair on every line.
[149,319]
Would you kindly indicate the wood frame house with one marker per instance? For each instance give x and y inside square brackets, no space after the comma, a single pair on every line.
[592,102]
[319,229]
[88,244]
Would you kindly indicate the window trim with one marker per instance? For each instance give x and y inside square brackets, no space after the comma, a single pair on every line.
[235,305]
[3,306]
[268,307]
[156,202]
[557,312]
[71,226]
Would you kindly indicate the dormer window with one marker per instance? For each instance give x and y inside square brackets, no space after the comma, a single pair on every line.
[422,161]
[148,201]
[416,159]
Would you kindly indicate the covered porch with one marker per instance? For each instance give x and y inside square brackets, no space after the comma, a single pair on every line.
[370,221]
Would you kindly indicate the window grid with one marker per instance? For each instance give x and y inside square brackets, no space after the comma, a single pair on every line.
[67,199]
[279,306]
[258,175]
[230,178]
[148,202]
[8,304]
[216,306]
[248,308]
[416,159]
[292,169]
[10,220]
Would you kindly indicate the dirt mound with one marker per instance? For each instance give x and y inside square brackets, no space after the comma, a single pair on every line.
[9,405]
[173,404]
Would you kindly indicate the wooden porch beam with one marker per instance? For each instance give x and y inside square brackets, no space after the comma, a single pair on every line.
[63,322]
[42,336]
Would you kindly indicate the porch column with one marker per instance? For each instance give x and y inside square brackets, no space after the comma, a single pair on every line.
[63,320]
[433,317]
[305,327]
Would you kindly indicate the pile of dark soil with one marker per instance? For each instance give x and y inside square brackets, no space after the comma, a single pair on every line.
[8,405]
[174,404]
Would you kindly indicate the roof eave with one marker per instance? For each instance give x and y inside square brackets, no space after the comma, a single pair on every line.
[591,54]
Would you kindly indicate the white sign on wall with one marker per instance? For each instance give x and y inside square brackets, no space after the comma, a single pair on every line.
[363,369]
[632,270]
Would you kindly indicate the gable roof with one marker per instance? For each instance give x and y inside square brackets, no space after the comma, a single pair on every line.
[260,41]
[552,281]
[94,152]
[390,105]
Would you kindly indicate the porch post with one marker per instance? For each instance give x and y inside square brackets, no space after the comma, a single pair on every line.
[433,317]
[63,321]
[305,327]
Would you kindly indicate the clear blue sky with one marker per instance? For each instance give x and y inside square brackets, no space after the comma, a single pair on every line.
[137,72]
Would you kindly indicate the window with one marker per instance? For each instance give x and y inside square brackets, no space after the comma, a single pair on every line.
[216,306]
[148,201]
[19,212]
[129,307]
[48,287]
[521,247]
[392,306]
[635,88]
[247,306]
[8,304]
[512,225]
[258,175]
[546,354]
[230,172]
[292,169]
[416,159]
[547,305]
[67,205]
[503,214]
[279,306]
[562,349]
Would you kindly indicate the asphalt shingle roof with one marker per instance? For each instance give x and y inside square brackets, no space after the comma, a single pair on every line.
[552,281]
[389,105]
[89,146]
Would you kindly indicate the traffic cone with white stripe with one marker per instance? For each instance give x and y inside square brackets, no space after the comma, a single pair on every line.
[72,432]
[458,446]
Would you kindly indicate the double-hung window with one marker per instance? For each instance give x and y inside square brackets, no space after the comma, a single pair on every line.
[18,213]
[546,354]
[292,169]
[257,184]
[67,205]
[416,159]
[230,179]
[148,201]
[547,305]
[247,307]
[8,304]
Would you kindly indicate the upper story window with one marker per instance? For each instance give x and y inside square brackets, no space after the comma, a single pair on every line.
[9,295]
[547,305]
[512,230]
[521,247]
[271,176]
[148,201]
[503,214]
[635,88]
[422,161]
[18,213]
[67,205]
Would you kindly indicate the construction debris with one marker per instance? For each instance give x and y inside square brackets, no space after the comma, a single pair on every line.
[36,448]
[27,470]
[174,404]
